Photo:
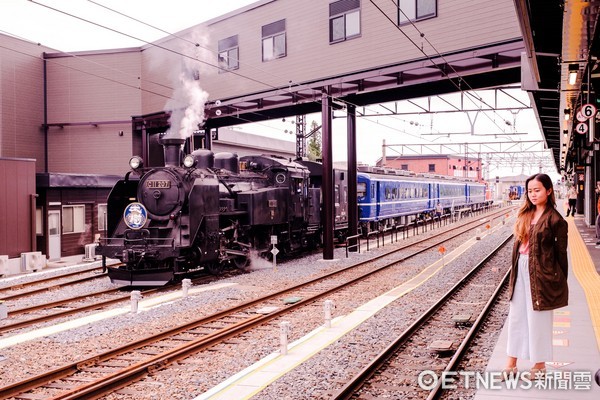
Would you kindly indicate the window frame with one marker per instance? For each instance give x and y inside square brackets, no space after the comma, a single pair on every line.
[39,221]
[226,53]
[344,15]
[272,37]
[402,20]
[77,226]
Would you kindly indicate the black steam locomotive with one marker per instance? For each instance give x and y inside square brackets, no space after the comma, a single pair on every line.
[205,211]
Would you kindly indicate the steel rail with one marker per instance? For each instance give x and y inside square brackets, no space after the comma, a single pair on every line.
[49,288]
[349,390]
[94,389]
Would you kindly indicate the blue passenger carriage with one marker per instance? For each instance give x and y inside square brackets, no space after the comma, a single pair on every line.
[387,199]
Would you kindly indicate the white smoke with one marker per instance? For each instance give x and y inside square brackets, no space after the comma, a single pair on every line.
[186,106]
[187,102]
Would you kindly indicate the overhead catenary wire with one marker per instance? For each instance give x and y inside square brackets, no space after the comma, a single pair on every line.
[193,58]
[422,35]
[187,56]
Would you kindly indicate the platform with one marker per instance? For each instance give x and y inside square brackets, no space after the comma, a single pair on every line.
[576,332]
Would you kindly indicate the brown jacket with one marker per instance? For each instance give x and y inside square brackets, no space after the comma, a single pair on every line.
[548,265]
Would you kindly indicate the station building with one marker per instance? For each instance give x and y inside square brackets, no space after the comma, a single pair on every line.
[447,165]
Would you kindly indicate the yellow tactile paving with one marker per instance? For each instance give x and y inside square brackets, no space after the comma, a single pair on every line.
[585,272]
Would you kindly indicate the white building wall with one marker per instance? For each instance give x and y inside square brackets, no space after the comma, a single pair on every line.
[21,100]
[94,95]
[460,25]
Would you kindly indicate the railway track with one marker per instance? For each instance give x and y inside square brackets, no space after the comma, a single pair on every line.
[30,316]
[29,288]
[105,372]
[412,358]
[36,314]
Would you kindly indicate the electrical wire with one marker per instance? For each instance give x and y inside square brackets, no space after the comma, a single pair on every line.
[187,56]
[429,58]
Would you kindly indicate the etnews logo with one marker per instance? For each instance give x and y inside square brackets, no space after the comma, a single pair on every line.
[494,380]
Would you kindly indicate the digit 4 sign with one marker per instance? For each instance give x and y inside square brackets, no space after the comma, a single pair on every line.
[581,128]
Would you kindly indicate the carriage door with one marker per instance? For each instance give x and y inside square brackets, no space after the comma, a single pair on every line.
[53,235]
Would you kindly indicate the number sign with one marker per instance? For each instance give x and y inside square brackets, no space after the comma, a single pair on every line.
[588,110]
[581,128]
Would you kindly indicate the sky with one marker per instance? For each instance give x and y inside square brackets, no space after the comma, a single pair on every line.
[33,21]
[38,21]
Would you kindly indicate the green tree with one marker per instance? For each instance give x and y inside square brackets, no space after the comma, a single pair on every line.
[314,145]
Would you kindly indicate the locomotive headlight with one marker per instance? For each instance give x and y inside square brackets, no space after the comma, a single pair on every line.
[189,161]
[135,162]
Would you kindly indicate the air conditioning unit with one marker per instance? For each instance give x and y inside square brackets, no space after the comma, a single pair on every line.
[3,265]
[90,252]
[32,261]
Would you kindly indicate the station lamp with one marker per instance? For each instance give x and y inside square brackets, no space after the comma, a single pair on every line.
[567,114]
[573,69]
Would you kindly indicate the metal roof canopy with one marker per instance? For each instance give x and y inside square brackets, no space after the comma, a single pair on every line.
[473,68]
[558,34]
[484,66]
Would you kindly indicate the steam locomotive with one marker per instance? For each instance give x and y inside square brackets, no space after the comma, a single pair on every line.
[205,211]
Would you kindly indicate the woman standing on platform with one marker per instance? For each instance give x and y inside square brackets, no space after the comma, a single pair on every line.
[538,277]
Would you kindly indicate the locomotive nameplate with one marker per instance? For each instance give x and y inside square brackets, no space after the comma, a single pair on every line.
[158,184]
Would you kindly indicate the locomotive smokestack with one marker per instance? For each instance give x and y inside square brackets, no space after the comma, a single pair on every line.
[172,148]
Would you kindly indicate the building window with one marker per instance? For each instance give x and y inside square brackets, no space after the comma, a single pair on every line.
[431,167]
[102,215]
[73,219]
[416,10]
[404,167]
[229,54]
[344,20]
[39,221]
[273,40]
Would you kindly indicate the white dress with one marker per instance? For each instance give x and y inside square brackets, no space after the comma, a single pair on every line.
[529,331]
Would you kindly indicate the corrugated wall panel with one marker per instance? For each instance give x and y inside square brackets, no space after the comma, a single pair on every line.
[459,25]
[21,100]
[17,185]
[107,91]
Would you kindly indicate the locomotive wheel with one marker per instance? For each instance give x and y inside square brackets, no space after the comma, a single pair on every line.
[214,268]
[241,262]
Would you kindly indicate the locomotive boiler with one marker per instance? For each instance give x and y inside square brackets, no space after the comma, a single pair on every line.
[205,211]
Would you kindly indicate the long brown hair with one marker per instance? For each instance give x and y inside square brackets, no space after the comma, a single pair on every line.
[527,210]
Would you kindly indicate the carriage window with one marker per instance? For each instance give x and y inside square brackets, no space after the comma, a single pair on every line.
[372,190]
[395,193]
[361,189]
